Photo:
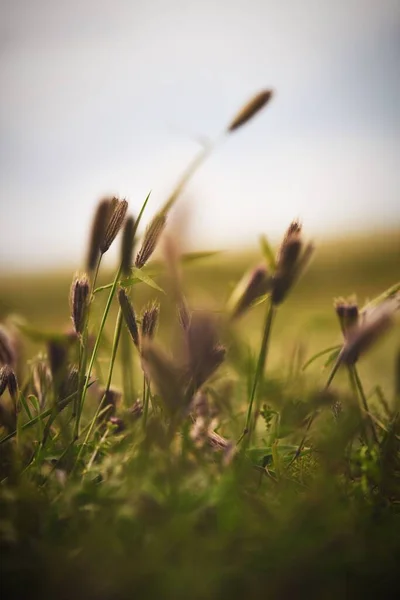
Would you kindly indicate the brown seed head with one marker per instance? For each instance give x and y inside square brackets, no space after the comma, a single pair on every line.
[7,349]
[70,385]
[9,379]
[97,234]
[291,262]
[205,354]
[348,315]
[250,109]
[127,246]
[79,301]
[150,320]
[258,283]
[129,316]
[42,381]
[150,239]
[361,337]
[165,375]
[115,222]
[109,399]
[57,353]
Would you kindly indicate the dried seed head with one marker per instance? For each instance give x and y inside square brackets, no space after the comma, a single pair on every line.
[205,354]
[165,375]
[115,222]
[361,337]
[8,379]
[129,316]
[79,301]
[57,353]
[3,380]
[348,315]
[7,349]
[249,290]
[200,405]
[184,314]
[97,234]
[42,381]
[150,320]
[291,262]
[70,385]
[150,239]
[128,240]
[250,109]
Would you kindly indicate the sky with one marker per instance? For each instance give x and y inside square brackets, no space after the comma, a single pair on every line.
[111,98]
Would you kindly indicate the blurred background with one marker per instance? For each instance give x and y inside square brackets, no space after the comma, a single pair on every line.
[102,97]
[110,97]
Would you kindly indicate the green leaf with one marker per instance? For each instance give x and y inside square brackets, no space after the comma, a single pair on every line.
[37,335]
[268,253]
[334,349]
[190,257]
[139,276]
[389,293]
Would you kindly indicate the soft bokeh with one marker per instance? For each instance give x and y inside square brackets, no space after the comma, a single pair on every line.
[109,97]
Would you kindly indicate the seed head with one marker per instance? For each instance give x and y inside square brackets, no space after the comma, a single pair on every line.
[79,300]
[7,349]
[97,234]
[205,354]
[8,379]
[128,240]
[57,354]
[364,335]
[150,320]
[118,209]
[291,262]
[109,399]
[151,237]
[348,315]
[250,109]
[70,385]
[129,316]
[165,375]
[249,290]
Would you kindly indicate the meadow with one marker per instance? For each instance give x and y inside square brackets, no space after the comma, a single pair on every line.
[171,429]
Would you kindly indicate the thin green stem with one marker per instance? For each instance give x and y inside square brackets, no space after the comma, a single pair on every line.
[364,403]
[261,364]
[314,414]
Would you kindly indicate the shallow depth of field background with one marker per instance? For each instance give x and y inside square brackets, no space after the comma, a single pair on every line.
[103,97]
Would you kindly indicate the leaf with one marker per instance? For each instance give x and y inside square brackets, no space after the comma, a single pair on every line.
[139,276]
[389,293]
[268,253]
[263,456]
[332,357]
[332,349]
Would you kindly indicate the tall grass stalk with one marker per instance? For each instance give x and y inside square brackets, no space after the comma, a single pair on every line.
[259,373]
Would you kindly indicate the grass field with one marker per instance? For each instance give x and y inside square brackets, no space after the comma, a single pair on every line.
[199,458]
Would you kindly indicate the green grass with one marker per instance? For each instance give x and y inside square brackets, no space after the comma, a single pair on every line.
[98,501]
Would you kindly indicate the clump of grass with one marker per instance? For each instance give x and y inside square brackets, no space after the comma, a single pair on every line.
[110,490]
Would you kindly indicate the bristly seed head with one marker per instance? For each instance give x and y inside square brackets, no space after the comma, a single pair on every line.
[8,379]
[150,239]
[291,262]
[115,222]
[79,300]
[257,284]
[127,246]
[97,234]
[250,109]
[348,315]
[150,320]
[7,350]
[368,330]
[129,316]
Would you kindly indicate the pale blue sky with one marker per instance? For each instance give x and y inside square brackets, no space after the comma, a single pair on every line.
[103,97]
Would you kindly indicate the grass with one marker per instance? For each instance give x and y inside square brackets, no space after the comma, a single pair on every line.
[201,458]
